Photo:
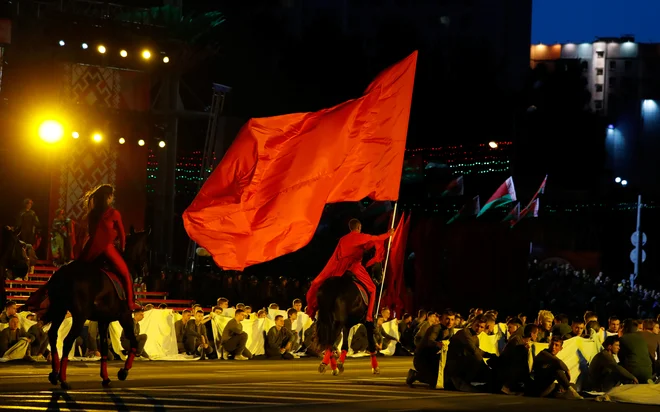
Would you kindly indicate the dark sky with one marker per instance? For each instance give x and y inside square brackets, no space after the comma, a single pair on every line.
[564,21]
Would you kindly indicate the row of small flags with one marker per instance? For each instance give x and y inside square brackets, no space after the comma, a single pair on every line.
[504,196]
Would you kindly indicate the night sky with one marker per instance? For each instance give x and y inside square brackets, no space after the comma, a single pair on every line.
[564,21]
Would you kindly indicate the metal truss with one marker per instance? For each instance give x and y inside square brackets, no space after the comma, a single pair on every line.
[98,10]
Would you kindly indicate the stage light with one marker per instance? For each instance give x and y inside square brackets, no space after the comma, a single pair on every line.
[617,180]
[97,137]
[122,140]
[611,127]
[166,59]
[51,131]
[492,145]
[146,54]
[161,144]
[123,53]
[75,135]
[85,46]
[101,49]
[140,142]
[62,43]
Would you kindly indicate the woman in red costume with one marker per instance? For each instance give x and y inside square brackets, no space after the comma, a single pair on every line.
[105,226]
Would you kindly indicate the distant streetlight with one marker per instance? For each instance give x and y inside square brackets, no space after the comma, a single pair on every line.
[493,145]
[617,180]
[611,127]
[624,183]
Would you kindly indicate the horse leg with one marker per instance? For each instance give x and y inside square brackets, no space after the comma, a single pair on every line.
[344,351]
[327,355]
[103,331]
[371,343]
[77,324]
[57,320]
[126,322]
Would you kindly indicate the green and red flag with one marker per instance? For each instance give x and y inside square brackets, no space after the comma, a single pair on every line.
[454,188]
[470,209]
[503,196]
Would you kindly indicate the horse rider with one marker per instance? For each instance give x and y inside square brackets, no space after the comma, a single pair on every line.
[348,257]
[105,226]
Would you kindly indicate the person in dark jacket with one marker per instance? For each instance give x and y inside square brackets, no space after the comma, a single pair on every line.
[634,354]
[279,340]
[234,339]
[195,338]
[604,372]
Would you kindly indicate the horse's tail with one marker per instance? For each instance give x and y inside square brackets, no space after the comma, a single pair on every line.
[327,327]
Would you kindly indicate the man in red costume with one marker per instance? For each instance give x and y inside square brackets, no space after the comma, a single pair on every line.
[105,226]
[348,256]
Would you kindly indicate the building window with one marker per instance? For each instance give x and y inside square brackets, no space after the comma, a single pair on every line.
[600,54]
[612,65]
[598,104]
[628,83]
[599,87]
[599,72]
[628,65]
[612,81]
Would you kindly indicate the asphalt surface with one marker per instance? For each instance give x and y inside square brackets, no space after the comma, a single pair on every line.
[254,385]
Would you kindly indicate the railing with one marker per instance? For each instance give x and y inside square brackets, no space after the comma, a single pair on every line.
[156,16]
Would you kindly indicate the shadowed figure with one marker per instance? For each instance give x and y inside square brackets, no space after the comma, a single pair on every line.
[12,257]
[86,291]
[340,307]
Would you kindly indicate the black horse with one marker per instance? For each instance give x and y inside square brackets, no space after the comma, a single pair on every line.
[86,291]
[341,306]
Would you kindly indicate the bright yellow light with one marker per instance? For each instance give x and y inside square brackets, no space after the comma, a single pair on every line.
[51,131]
[122,140]
[146,54]
[166,59]
[141,142]
[123,53]
[161,144]
[492,145]
[97,137]
[101,49]
[75,135]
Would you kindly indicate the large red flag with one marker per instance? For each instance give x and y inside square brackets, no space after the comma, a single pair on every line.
[266,196]
[395,287]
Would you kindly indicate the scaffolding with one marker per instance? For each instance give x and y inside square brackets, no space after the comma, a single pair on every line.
[214,140]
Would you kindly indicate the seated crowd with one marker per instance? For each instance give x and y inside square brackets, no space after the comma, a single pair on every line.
[629,353]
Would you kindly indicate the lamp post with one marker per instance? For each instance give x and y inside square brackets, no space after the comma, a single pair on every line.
[638,238]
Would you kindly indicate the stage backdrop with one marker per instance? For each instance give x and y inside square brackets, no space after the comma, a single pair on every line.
[85,164]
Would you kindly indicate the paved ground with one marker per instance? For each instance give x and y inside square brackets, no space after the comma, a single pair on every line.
[254,385]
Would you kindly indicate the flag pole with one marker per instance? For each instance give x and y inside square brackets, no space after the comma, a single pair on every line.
[387,258]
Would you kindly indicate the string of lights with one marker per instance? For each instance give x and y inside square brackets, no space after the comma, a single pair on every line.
[145,54]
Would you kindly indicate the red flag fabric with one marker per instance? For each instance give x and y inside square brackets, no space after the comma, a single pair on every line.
[266,196]
[395,289]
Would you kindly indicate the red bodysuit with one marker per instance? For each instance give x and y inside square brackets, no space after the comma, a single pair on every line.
[347,256]
[102,242]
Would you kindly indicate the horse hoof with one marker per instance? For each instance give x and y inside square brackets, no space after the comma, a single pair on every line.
[335,372]
[106,383]
[340,367]
[122,374]
[65,386]
[322,367]
[375,371]
[54,378]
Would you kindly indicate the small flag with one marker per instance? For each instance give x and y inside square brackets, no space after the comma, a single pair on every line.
[454,188]
[504,195]
[468,210]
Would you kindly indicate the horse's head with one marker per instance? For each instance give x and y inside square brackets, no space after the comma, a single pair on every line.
[137,250]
